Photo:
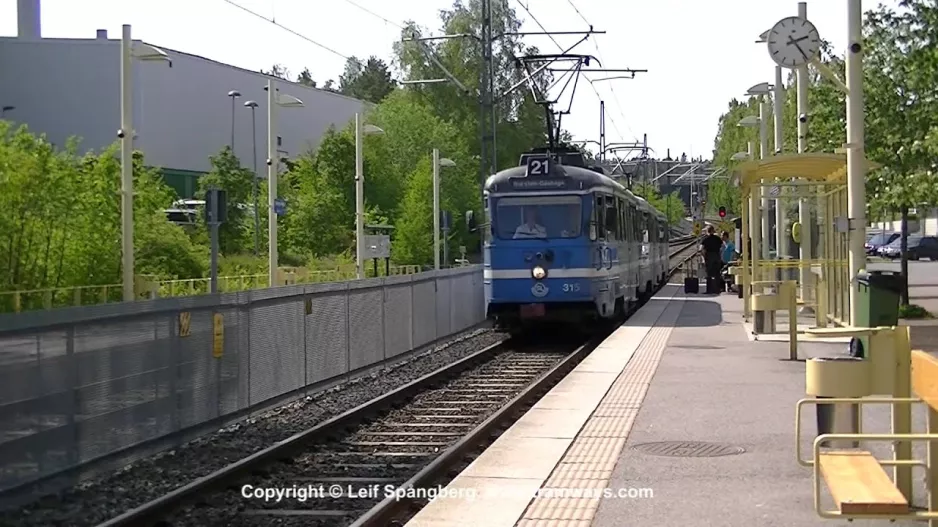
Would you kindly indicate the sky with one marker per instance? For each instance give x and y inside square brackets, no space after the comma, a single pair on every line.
[699,53]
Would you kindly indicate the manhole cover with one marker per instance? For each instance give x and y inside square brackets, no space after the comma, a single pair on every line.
[689,449]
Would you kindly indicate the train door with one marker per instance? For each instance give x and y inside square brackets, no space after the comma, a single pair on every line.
[623,248]
[603,254]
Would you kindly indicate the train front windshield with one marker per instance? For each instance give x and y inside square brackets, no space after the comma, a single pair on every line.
[538,217]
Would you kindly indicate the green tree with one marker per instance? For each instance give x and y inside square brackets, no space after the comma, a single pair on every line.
[520,123]
[278,70]
[238,182]
[61,221]
[672,205]
[306,78]
[370,81]
[414,236]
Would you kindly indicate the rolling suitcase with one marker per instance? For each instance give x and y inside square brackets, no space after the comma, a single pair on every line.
[691,280]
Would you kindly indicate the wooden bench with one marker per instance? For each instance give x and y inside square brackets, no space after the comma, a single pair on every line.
[858,482]
[859,485]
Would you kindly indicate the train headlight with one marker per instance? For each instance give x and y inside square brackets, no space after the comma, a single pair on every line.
[538,272]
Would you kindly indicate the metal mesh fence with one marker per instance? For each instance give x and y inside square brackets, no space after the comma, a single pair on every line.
[80,383]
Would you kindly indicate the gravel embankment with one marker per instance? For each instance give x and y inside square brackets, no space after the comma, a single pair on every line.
[98,500]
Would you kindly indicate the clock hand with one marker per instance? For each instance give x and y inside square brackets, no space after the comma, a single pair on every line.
[803,54]
[795,42]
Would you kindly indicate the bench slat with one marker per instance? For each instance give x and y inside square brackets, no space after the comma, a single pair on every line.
[859,485]
[925,377]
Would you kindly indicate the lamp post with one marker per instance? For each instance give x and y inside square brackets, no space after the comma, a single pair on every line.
[778,96]
[804,213]
[126,135]
[257,219]
[360,131]
[273,160]
[781,231]
[747,215]
[856,160]
[761,91]
[759,200]
[234,94]
[437,163]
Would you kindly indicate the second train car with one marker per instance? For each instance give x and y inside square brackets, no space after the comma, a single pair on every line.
[564,243]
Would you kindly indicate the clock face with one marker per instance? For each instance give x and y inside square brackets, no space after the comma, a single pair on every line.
[793,42]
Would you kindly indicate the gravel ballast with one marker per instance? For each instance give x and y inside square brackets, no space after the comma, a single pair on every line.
[106,497]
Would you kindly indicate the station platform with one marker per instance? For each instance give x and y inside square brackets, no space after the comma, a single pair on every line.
[678,418]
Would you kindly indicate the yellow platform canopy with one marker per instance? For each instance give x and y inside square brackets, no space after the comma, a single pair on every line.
[826,169]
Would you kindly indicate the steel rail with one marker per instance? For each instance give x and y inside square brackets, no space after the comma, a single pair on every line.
[387,511]
[154,511]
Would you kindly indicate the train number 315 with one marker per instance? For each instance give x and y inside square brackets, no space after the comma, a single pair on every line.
[571,288]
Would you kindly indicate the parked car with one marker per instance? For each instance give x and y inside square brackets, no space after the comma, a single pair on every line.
[880,239]
[918,247]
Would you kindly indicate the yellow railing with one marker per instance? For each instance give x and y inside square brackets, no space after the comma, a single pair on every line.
[49,298]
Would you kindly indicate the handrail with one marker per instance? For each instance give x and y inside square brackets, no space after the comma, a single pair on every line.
[52,297]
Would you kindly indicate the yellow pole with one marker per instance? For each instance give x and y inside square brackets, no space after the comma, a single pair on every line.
[902,412]
[746,277]
[792,320]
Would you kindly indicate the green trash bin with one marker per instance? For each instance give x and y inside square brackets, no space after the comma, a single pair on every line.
[878,298]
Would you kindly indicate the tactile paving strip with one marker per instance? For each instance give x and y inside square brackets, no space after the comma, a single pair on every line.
[587,465]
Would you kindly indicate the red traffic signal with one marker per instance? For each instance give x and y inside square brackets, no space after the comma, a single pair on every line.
[722,212]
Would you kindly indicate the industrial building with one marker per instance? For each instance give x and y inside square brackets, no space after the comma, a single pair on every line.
[181,109]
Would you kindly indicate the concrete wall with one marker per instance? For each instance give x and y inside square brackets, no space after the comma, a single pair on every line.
[182,114]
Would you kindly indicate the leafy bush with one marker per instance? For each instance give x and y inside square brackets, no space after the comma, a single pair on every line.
[61,220]
[913,311]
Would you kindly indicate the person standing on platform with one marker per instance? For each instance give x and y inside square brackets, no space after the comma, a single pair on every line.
[711,247]
[728,256]
[729,249]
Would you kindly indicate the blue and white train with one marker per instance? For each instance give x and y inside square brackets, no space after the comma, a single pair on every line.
[566,243]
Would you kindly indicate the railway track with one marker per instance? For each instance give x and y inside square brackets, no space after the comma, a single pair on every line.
[343,471]
[396,441]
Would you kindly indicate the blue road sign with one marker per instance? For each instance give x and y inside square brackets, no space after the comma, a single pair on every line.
[280,207]
[446,219]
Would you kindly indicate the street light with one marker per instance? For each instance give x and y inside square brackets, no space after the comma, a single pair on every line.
[360,131]
[273,160]
[234,94]
[752,121]
[6,109]
[144,52]
[437,163]
[257,219]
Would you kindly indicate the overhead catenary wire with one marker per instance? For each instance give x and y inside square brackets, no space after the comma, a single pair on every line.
[291,31]
[612,90]
[554,40]
[376,15]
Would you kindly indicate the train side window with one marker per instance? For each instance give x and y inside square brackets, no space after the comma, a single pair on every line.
[600,216]
[629,225]
[621,210]
[612,216]
[632,237]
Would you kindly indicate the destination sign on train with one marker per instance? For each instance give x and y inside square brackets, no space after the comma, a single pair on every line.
[538,183]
